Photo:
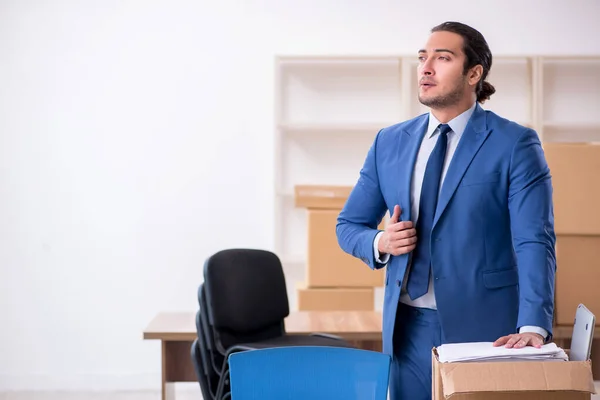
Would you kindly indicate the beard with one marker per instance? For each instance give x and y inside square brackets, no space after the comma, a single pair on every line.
[447,99]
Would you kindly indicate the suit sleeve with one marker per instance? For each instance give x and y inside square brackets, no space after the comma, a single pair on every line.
[357,223]
[532,224]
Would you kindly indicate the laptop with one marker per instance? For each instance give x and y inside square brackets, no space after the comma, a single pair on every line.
[583,334]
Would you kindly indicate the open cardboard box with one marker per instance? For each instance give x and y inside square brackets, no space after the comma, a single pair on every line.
[514,380]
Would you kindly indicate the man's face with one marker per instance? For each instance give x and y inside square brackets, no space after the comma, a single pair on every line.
[440,71]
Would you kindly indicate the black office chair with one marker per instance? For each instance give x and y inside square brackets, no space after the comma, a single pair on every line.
[216,358]
[246,303]
[200,369]
[207,377]
[212,361]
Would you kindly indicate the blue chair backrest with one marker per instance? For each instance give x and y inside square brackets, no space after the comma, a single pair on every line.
[309,372]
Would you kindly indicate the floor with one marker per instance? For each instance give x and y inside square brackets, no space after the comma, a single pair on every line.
[134,395]
[181,394]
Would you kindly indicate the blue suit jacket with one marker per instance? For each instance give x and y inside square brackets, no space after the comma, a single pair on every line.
[493,240]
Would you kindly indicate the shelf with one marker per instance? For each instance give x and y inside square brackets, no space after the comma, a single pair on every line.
[335,92]
[293,240]
[514,90]
[572,125]
[330,160]
[330,108]
[593,61]
[571,91]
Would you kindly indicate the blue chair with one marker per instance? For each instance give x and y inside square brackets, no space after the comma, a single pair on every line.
[309,372]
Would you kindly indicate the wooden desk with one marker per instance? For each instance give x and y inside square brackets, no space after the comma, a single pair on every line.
[177,331]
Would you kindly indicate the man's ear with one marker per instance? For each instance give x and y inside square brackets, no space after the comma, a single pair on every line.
[475,74]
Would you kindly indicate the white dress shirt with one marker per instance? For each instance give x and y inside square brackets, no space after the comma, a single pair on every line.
[458,125]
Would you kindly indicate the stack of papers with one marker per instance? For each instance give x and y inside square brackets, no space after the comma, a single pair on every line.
[485,351]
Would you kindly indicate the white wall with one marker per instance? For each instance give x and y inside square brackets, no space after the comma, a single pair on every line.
[136,139]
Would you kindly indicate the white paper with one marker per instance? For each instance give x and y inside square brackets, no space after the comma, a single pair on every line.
[486,351]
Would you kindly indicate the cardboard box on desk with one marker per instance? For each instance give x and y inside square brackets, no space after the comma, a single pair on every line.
[328,266]
[514,380]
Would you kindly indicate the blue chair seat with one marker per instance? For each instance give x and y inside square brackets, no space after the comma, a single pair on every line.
[309,372]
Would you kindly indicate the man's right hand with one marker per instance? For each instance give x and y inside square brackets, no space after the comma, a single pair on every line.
[399,237]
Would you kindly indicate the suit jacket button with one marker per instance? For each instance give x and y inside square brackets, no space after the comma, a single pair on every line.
[398,282]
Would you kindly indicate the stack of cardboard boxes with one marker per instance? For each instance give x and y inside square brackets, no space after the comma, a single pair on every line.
[336,281]
[575,169]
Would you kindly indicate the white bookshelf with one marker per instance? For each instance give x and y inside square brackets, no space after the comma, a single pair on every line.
[329,109]
[571,99]
[514,82]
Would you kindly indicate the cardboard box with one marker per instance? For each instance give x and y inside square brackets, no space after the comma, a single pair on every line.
[577,276]
[574,168]
[335,299]
[327,264]
[595,356]
[325,197]
[519,380]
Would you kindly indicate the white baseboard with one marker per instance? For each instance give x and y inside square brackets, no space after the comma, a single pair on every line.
[81,382]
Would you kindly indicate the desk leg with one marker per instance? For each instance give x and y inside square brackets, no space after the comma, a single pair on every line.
[168,388]
[176,366]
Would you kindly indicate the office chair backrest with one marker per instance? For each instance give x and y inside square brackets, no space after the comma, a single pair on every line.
[307,372]
[246,295]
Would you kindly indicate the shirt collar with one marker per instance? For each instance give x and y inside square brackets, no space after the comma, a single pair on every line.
[457,124]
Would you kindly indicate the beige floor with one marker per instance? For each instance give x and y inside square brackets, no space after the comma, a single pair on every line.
[186,393]
[135,395]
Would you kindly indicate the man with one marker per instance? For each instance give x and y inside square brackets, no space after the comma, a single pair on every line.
[470,246]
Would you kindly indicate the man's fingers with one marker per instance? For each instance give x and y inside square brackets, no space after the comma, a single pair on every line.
[403,246]
[512,341]
[519,341]
[536,341]
[396,215]
[407,242]
[501,341]
[400,226]
[403,250]
[404,234]
[400,243]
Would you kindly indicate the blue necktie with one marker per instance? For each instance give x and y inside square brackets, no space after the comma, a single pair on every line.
[418,281]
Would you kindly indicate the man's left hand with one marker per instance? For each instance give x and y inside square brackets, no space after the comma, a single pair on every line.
[520,340]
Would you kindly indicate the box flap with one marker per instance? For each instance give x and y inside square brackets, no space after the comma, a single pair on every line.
[516,376]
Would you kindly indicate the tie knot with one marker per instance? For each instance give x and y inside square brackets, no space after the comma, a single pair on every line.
[444,129]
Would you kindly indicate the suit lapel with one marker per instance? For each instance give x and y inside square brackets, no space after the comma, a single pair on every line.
[410,142]
[473,137]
